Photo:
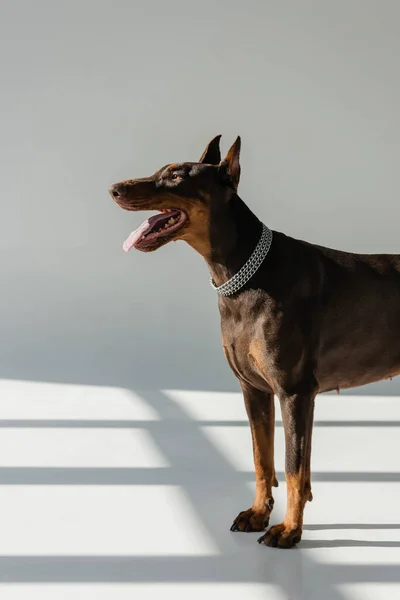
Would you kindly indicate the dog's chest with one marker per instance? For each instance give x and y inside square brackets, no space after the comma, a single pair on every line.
[247,349]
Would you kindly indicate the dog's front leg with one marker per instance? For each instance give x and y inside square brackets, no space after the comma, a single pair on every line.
[261,412]
[297,416]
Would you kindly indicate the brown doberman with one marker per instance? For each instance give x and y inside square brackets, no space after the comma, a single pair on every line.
[296,318]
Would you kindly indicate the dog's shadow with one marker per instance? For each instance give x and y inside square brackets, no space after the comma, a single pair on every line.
[352,543]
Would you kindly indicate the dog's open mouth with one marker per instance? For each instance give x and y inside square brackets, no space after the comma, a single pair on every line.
[155,228]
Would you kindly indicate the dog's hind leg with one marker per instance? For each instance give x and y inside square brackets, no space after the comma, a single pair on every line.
[297,416]
[261,412]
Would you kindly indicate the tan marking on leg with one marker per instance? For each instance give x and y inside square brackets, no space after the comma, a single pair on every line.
[288,533]
[298,419]
[263,450]
[261,412]
[297,496]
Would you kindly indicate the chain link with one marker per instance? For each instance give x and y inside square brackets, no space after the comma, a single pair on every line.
[244,275]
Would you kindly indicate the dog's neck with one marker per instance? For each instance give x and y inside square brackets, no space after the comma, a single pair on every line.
[240,240]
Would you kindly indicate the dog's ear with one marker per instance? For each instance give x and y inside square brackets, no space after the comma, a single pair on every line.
[212,154]
[230,166]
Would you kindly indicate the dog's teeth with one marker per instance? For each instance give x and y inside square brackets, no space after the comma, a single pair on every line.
[171,221]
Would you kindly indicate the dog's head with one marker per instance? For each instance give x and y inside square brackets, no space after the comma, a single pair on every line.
[192,198]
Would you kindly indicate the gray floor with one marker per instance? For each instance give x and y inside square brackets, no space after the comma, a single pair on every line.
[106,493]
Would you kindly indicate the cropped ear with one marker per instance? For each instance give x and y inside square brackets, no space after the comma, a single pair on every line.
[230,166]
[212,154]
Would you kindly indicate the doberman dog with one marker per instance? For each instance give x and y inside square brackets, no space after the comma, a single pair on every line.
[300,319]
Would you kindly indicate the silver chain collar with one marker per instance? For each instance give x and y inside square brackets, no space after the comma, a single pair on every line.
[244,275]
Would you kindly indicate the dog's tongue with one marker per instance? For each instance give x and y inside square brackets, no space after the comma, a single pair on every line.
[136,235]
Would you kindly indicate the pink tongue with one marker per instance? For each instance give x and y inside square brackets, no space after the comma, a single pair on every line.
[136,235]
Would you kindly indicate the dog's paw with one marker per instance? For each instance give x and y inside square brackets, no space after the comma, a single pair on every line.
[251,520]
[281,536]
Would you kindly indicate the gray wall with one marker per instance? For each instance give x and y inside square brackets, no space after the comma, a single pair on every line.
[96,91]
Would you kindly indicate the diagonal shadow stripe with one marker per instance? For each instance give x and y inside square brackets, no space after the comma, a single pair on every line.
[192,458]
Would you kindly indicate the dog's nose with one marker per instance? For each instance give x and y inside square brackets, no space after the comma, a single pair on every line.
[116,191]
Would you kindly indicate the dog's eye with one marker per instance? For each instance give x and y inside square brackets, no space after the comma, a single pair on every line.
[175,176]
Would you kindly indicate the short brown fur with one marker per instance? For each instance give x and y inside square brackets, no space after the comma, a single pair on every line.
[311,319]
